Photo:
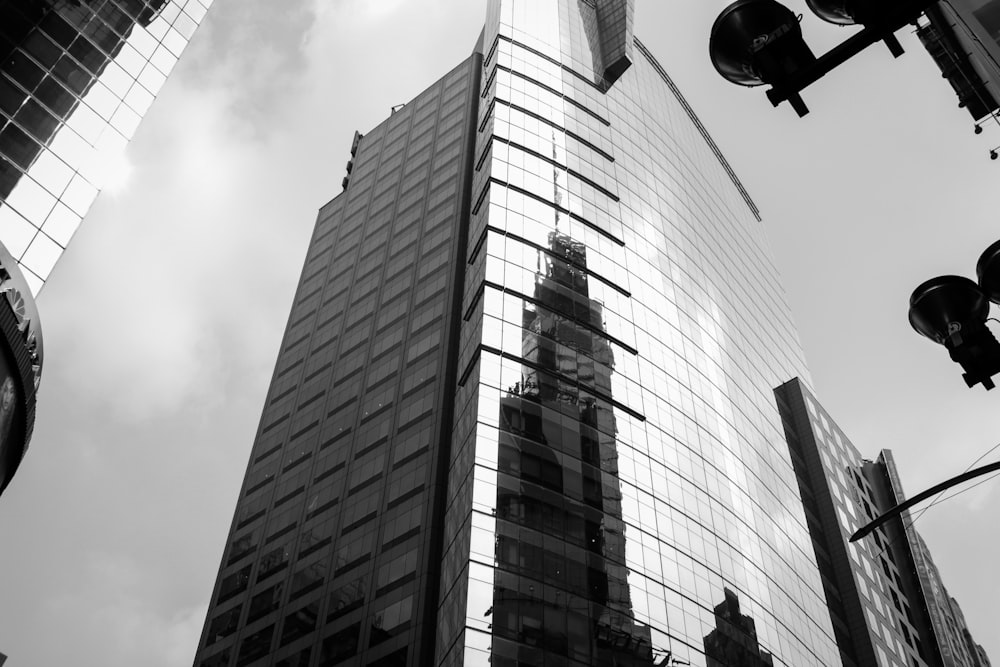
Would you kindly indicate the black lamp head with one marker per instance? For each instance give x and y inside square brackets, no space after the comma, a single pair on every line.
[988,272]
[757,42]
[952,311]
[841,12]
[941,307]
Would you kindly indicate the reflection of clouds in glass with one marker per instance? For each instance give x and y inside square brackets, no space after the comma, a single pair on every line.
[101,66]
[113,170]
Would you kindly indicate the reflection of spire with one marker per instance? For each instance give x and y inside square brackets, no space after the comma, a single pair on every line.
[733,643]
[556,195]
[561,582]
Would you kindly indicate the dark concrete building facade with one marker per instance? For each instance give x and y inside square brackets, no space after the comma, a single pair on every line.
[339,523]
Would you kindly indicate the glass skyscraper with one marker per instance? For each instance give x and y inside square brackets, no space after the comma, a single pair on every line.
[76,77]
[523,410]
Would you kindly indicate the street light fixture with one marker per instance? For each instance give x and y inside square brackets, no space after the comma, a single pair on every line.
[922,496]
[952,311]
[756,42]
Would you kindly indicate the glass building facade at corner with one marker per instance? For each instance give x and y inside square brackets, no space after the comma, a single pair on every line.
[76,77]
[523,410]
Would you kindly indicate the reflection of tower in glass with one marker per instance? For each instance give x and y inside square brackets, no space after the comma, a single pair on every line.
[733,643]
[561,582]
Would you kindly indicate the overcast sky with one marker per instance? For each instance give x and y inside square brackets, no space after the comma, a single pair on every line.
[162,320]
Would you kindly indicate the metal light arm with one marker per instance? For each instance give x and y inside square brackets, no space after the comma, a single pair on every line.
[920,497]
[789,90]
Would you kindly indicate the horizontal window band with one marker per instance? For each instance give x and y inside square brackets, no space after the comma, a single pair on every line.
[363,319]
[323,235]
[284,394]
[556,126]
[313,548]
[308,588]
[316,273]
[308,296]
[342,406]
[565,68]
[422,386]
[319,255]
[340,378]
[247,521]
[398,583]
[258,486]
[482,197]
[410,457]
[368,482]
[564,378]
[309,401]
[476,298]
[471,366]
[318,371]
[295,343]
[284,531]
[277,422]
[381,381]
[482,158]
[493,50]
[237,557]
[574,216]
[297,462]
[414,422]
[347,567]
[575,174]
[330,472]
[488,83]
[289,369]
[377,411]
[548,251]
[411,533]
[302,319]
[479,246]
[284,499]
[593,114]
[583,325]
[354,525]
[423,355]
[261,576]
[412,493]
[488,114]
[303,431]
[268,453]
[369,448]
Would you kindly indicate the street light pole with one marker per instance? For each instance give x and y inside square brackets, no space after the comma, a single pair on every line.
[920,497]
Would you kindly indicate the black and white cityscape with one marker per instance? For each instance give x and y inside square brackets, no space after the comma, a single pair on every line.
[502,332]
